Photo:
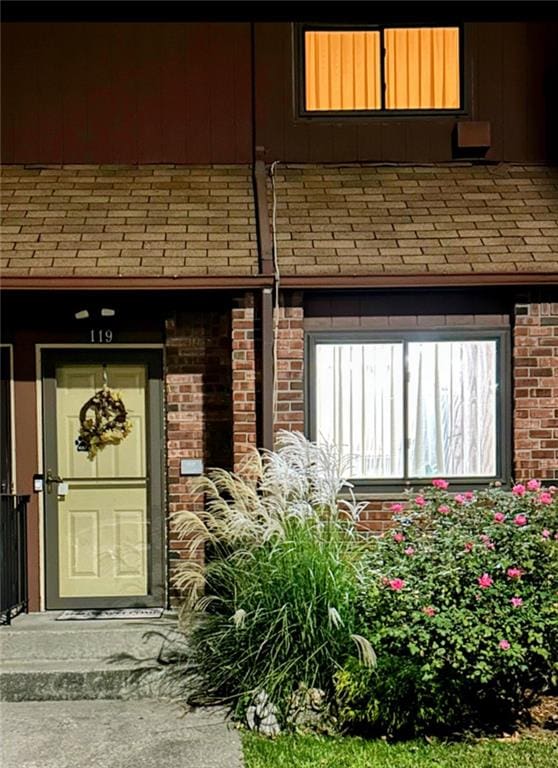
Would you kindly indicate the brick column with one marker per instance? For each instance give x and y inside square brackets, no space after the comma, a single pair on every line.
[535,363]
[184,390]
[243,378]
[289,396]
[198,414]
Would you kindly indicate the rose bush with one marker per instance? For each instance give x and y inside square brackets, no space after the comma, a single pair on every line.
[461,607]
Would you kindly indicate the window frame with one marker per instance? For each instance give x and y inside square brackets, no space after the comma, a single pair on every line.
[383,486]
[358,114]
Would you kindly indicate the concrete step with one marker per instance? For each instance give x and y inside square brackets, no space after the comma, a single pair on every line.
[43,659]
[34,636]
[50,681]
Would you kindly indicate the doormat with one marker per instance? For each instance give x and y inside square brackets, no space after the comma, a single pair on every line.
[112,613]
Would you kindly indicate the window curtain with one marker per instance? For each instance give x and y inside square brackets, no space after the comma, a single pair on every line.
[422,68]
[452,408]
[342,70]
[359,405]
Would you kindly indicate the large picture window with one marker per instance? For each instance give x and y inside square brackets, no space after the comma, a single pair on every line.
[384,69]
[406,408]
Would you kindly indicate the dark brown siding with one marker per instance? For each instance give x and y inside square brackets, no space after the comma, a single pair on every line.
[510,77]
[126,93]
[181,93]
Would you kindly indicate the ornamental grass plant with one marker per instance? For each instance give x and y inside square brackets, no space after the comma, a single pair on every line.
[274,610]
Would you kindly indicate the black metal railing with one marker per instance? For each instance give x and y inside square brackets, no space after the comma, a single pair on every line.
[13,556]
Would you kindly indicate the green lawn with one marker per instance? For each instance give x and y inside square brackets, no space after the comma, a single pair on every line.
[320,752]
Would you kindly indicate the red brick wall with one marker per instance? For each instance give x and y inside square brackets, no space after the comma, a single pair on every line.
[535,361]
[198,385]
[243,378]
[289,383]
[377,516]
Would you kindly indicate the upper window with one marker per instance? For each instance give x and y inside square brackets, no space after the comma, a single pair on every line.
[381,70]
[406,408]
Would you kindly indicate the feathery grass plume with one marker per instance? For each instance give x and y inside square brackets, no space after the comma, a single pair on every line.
[283,569]
[334,617]
[366,653]
[239,617]
[299,480]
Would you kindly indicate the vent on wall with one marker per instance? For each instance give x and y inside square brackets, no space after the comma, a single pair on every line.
[471,139]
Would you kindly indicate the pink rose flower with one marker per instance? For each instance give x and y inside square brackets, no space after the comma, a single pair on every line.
[460,498]
[545,534]
[420,501]
[469,495]
[469,546]
[519,489]
[396,584]
[514,573]
[533,485]
[397,507]
[443,509]
[429,610]
[499,517]
[485,581]
[545,498]
[516,602]
[520,520]
[409,551]
[398,537]
[439,483]
[504,645]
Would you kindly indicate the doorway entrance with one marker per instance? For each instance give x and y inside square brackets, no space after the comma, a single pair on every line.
[103,489]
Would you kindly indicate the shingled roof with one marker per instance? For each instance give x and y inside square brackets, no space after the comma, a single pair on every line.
[371,219]
[347,220]
[104,221]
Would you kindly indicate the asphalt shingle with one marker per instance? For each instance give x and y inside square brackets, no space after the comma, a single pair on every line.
[375,219]
[138,221]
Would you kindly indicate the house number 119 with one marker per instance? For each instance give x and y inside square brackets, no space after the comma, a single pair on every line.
[101,336]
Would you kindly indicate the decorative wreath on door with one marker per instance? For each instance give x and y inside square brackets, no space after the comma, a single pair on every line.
[103,421]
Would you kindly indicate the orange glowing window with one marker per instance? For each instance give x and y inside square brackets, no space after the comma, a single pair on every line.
[345,71]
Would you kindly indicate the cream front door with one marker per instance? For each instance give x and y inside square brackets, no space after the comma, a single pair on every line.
[102,537]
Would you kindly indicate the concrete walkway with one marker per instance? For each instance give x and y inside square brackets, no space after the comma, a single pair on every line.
[114,734]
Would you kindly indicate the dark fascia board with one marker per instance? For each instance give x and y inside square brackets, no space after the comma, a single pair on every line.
[465,280]
[316,10]
[288,282]
[41,283]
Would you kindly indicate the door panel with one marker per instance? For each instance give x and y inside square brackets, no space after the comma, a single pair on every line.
[100,547]
[102,541]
